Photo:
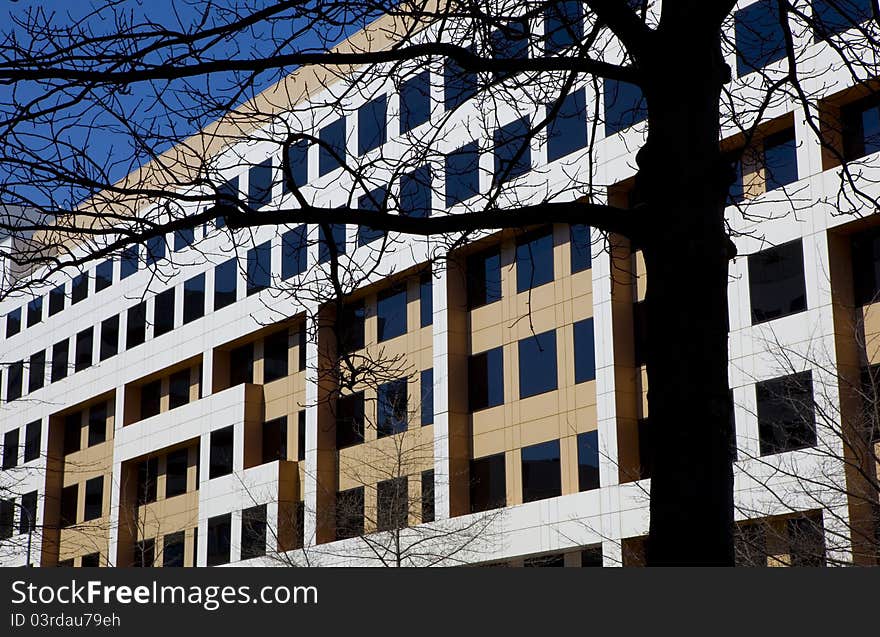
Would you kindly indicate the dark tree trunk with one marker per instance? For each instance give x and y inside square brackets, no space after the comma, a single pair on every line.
[683,183]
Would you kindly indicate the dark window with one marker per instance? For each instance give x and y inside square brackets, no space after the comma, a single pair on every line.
[349,420]
[32,435]
[194,298]
[458,85]
[219,539]
[581,256]
[301,435]
[155,249]
[175,473]
[392,497]
[241,365]
[786,416]
[372,129]
[225,283]
[537,364]
[351,328]
[259,268]
[14,380]
[776,282]
[391,408]
[128,262]
[484,278]
[486,379]
[294,250]
[37,370]
[28,520]
[163,313]
[72,432]
[178,389]
[301,346]
[541,472]
[59,360]
[298,164]
[79,288]
[92,560]
[104,275]
[94,498]
[65,563]
[806,540]
[861,128]
[253,532]
[760,39]
[147,479]
[7,518]
[513,156]
[136,328]
[337,233]
[427,389]
[275,439]
[584,351]
[556,560]
[391,311]
[69,501]
[56,300]
[750,545]
[109,337]
[563,25]
[588,460]
[866,266]
[145,553]
[780,159]
[97,424]
[374,201]
[34,311]
[428,495]
[226,197]
[426,299]
[260,184]
[299,526]
[331,153]
[415,192]
[462,174]
[567,132]
[488,487]
[84,346]
[510,42]
[624,106]
[592,557]
[183,238]
[13,322]
[151,396]
[415,101]
[275,356]
[836,16]
[221,452]
[10,449]
[350,513]
[646,448]
[534,261]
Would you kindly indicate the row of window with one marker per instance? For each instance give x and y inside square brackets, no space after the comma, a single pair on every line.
[394,506]
[93,505]
[27,515]
[12,447]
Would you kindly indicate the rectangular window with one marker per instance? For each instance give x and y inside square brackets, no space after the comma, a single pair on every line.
[259,268]
[7,518]
[484,278]
[37,371]
[584,351]
[10,449]
[136,327]
[488,484]
[776,282]
[567,132]
[372,129]
[513,155]
[458,85]
[392,498]
[831,17]
[391,408]
[97,424]
[193,298]
[331,153]
[426,299]
[350,513]
[34,311]
[301,346]
[374,201]
[297,164]
[541,471]
[178,389]
[241,365]
[183,238]
[128,262]
[624,106]
[588,460]
[592,557]
[415,101]
[780,159]
[462,174]
[79,289]
[151,399]
[28,520]
[349,420]
[69,502]
[786,415]
[147,480]
[253,532]
[260,184]
[428,496]
[415,192]
[219,539]
[275,439]
[109,337]
[59,360]
[563,25]
[32,441]
[15,380]
[351,327]
[391,314]
[510,42]
[94,498]
[13,322]
[104,275]
[56,300]
[155,249]
[426,381]
[175,473]
[72,433]
[275,354]
[760,39]
[145,553]
[84,346]
[294,251]
[337,236]
[225,283]
[226,197]
[486,379]
[581,255]
[860,122]
[301,435]
[537,364]
[866,266]
[221,452]
[806,540]
[534,260]
[92,560]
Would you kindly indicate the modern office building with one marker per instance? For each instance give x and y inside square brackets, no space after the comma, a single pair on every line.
[207,398]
